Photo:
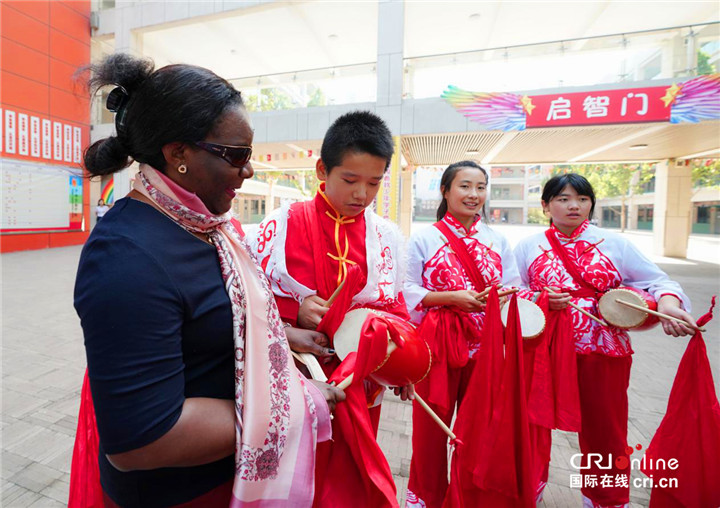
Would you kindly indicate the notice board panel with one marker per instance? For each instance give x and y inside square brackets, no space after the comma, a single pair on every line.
[40,197]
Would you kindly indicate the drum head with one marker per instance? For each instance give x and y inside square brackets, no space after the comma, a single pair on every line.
[532,318]
[347,336]
[618,314]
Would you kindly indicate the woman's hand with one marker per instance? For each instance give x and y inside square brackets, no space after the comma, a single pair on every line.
[466,299]
[309,341]
[558,300]
[405,392]
[332,394]
[311,312]
[670,305]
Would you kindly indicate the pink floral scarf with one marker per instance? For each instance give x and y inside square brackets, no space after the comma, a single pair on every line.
[280,417]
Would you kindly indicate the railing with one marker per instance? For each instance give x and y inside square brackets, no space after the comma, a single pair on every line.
[638,56]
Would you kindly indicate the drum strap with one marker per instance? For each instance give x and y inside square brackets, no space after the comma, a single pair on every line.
[322,282]
[469,265]
[586,289]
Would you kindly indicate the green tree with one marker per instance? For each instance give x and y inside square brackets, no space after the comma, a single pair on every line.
[269,99]
[706,173]
[612,180]
[704,66]
[312,183]
[536,216]
[317,98]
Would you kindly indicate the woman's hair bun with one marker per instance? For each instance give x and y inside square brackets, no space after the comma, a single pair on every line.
[106,156]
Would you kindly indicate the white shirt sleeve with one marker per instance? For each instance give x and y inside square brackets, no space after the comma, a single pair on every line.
[521,261]
[641,273]
[413,289]
[255,240]
[510,276]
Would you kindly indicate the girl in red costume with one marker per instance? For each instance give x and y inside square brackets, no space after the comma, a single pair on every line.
[578,262]
[449,264]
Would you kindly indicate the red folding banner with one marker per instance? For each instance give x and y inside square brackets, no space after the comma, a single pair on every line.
[651,104]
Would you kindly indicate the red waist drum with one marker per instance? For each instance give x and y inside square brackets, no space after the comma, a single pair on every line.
[408,364]
[617,314]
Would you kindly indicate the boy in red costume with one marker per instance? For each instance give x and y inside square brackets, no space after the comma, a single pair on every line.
[307,248]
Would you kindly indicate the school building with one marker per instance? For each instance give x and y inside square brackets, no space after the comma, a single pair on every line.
[519,87]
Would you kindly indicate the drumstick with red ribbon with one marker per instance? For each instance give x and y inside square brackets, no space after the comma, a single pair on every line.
[483,294]
[579,309]
[432,414]
[506,292]
[335,294]
[658,314]
[309,359]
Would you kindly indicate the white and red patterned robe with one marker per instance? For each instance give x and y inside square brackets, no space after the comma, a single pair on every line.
[283,247]
[606,260]
[433,266]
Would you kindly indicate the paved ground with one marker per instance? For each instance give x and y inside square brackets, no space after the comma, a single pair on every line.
[43,363]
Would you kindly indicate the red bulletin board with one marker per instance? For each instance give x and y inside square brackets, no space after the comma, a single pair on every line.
[44,123]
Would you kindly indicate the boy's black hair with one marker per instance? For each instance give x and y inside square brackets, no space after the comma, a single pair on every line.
[557,183]
[359,132]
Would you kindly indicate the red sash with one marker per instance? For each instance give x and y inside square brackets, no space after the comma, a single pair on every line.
[447,330]
[494,466]
[468,263]
[352,469]
[324,287]
[354,448]
[562,347]
[587,289]
[85,489]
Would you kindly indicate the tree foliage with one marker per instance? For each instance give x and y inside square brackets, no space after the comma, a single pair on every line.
[536,216]
[317,98]
[611,180]
[272,99]
[269,99]
[706,173]
[291,180]
[704,67]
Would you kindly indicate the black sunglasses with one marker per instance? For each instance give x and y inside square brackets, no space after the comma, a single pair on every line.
[237,156]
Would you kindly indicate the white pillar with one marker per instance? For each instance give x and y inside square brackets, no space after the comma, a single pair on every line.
[673,207]
[391,26]
[390,74]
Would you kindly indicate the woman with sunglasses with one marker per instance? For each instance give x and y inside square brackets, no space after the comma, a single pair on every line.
[197,399]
